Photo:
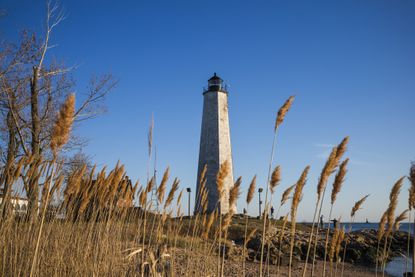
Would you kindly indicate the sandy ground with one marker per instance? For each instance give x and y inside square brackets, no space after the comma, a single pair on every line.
[206,266]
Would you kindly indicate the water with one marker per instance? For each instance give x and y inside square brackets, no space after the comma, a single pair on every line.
[396,267]
[361,226]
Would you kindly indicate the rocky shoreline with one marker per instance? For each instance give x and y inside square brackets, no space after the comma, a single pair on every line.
[361,247]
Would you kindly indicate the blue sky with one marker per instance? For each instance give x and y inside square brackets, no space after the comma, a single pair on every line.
[351,65]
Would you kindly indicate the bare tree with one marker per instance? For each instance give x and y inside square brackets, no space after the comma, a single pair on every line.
[32,87]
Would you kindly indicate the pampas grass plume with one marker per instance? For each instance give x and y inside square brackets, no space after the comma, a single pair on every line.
[63,124]
[251,190]
[283,111]
[358,205]
[275,179]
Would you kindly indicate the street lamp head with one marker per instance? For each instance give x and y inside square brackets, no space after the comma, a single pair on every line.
[260,190]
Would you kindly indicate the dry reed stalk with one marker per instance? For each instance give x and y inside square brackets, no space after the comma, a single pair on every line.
[220,181]
[208,225]
[390,217]
[204,204]
[294,206]
[408,238]
[396,224]
[401,217]
[279,119]
[161,190]
[340,150]
[162,187]
[249,197]
[234,194]
[172,192]
[338,246]
[337,184]
[60,136]
[250,236]
[326,171]
[220,178]
[284,223]
[286,195]
[411,178]
[356,207]
[275,180]
[333,248]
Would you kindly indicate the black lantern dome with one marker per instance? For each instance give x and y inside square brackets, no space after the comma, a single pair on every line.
[215,83]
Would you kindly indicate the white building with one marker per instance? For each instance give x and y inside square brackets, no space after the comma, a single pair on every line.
[19,203]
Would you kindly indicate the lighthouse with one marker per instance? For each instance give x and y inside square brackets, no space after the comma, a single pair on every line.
[215,145]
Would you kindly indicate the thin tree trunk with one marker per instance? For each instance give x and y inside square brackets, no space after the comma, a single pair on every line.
[33,190]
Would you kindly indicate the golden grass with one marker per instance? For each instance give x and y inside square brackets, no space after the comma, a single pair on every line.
[101,233]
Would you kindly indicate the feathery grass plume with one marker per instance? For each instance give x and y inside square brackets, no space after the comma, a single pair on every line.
[275,178]
[150,136]
[340,239]
[173,190]
[203,174]
[337,184]
[251,190]
[150,184]
[283,111]
[399,219]
[393,202]
[412,205]
[382,224]
[234,192]
[357,206]
[63,124]
[411,178]
[390,218]
[249,197]
[221,176]
[298,192]
[208,225]
[326,171]
[161,190]
[294,205]
[341,149]
[227,220]
[19,167]
[250,236]
[179,198]
[380,234]
[143,198]
[286,194]
[338,181]
[233,196]
[334,244]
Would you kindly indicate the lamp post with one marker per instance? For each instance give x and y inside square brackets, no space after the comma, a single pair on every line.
[188,204]
[260,201]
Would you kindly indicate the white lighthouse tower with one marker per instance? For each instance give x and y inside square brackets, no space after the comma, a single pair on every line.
[215,145]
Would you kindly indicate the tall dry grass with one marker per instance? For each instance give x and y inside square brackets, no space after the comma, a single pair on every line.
[95,222]
[282,112]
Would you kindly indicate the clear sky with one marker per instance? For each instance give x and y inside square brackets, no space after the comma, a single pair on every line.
[351,65]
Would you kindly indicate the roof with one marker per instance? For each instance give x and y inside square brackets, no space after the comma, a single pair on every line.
[215,77]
